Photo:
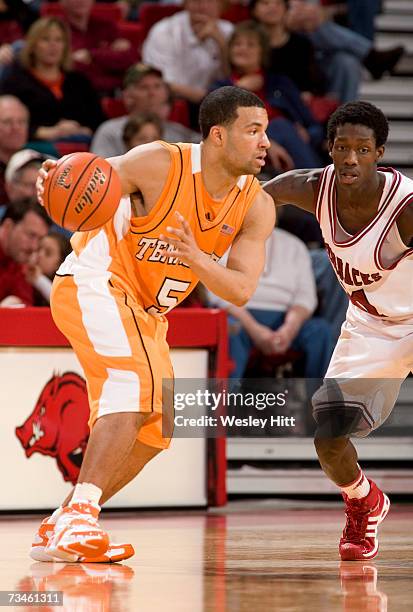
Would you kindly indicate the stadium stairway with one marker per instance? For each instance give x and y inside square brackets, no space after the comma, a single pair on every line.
[394,94]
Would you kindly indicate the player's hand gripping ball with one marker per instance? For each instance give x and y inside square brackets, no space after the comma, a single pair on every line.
[81,192]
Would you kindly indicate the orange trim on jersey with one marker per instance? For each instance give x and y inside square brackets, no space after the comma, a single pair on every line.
[407,200]
[332,199]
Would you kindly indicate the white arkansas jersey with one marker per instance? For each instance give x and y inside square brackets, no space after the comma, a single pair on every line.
[373,266]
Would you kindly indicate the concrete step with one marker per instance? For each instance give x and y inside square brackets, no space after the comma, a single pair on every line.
[405,67]
[388,87]
[406,171]
[394,23]
[386,40]
[400,7]
[401,132]
[398,154]
[393,109]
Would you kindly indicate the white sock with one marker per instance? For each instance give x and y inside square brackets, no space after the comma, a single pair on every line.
[86,492]
[53,518]
[358,488]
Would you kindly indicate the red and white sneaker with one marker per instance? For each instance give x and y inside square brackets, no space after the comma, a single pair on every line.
[114,554]
[359,540]
[77,533]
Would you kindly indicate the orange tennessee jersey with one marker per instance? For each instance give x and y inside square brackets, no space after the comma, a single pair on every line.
[128,251]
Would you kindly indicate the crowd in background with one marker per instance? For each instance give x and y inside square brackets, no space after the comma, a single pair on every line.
[80,75]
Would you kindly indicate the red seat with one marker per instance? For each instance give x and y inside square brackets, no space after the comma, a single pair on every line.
[133,32]
[64,148]
[113,107]
[180,112]
[236,13]
[150,13]
[110,11]
[260,365]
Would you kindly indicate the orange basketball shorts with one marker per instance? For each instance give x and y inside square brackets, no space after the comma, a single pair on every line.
[122,350]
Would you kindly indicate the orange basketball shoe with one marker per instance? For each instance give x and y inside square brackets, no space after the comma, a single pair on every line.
[77,533]
[359,540]
[114,554]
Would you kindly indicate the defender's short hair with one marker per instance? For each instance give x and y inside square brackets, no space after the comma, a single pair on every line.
[359,113]
[220,107]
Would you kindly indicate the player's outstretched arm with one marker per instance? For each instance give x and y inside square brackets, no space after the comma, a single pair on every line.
[298,187]
[144,168]
[237,282]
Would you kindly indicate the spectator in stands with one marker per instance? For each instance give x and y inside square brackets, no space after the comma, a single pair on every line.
[21,174]
[62,103]
[15,18]
[291,123]
[291,53]
[98,49]
[22,228]
[279,314]
[41,269]
[361,15]
[144,90]
[343,52]
[14,131]
[190,48]
[141,129]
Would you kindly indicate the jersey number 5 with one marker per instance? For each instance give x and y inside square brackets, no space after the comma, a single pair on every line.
[166,301]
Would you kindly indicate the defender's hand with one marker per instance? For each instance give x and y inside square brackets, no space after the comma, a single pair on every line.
[42,176]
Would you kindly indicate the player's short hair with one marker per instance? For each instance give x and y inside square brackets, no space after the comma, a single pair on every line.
[359,113]
[220,107]
[17,210]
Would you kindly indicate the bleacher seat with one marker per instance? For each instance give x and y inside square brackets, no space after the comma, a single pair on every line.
[64,147]
[236,13]
[277,365]
[150,13]
[110,11]
[133,32]
[113,107]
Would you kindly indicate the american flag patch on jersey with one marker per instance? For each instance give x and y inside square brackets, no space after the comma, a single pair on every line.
[227,229]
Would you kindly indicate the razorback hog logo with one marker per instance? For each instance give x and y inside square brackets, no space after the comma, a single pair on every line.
[58,425]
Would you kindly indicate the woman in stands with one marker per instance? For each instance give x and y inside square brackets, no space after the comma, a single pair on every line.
[63,104]
[290,53]
[291,123]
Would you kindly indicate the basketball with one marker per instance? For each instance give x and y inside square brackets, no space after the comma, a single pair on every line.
[81,192]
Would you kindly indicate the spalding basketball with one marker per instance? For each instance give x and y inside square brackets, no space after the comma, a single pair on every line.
[81,192]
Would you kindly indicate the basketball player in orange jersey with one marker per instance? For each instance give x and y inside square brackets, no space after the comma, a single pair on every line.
[366,216]
[184,206]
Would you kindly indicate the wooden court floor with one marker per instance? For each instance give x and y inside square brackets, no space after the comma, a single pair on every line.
[255,556]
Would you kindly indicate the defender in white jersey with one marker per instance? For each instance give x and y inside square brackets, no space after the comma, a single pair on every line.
[366,217]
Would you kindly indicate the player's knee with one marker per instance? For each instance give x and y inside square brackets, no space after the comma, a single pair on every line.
[336,416]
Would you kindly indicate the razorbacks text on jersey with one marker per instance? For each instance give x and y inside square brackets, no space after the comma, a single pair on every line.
[128,251]
[373,266]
